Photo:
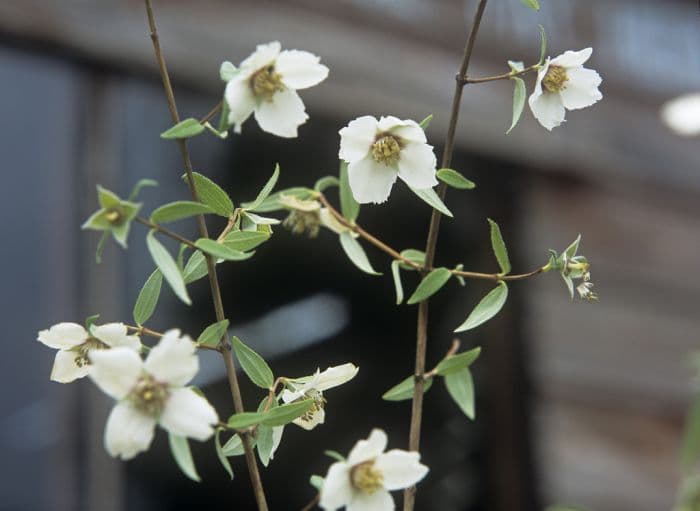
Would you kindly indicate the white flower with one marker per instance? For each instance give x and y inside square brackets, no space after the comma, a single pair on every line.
[585,290]
[151,392]
[379,151]
[564,84]
[682,115]
[74,344]
[364,480]
[266,83]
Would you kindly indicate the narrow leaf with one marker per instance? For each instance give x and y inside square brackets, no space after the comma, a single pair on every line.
[519,93]
[417,256]
[431,284]
[461,387]
[184,129]
[265,192]
[326,182]
[532,4]
[499,247]
[196,267]
[404,390]
[168,267]
[348,205]
[245,240]
[234,446]
[457,362]
[264,435]
[396,274]
[244,420]
[430,197]
[543,45]
[487,308]
[140,184]
[284,414]
[221,251]
[148,298]
[183,456]
[178,210]
[221,455]
[253,364]
[356,253]
[426,122]
[455,179]
[212,195]
[212,334]
[272,202]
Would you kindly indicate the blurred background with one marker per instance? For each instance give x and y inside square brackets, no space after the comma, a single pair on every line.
[576,403]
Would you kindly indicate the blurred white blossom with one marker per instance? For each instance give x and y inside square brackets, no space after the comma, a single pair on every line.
[564,84]
[682,115]
[379,151]
[266,84]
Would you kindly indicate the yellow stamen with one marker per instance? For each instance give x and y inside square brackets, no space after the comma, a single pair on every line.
[365,478]
[555,79]
[386,150]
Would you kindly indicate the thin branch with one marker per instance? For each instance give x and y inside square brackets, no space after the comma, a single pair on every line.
[225,345]
[422,324]
[505,76]
[165,231]
[212,112]
[312,504]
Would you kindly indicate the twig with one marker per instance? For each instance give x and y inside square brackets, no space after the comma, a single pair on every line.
[312,504]
[211,266]
[212,112]
[165,231]
[505,76]
[422,324]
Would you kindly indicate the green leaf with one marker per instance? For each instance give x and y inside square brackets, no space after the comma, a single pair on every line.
[178,210]
[245,240]
[316,481]
[455,179]
[184,129]
[284,414]
[212,195]
[234,446]
[430,285]
[396,274]
[519,93]
[196,267]
[690,449]
[253,364]
[148,298]
[221,251]
[454,363]
[499,247]
[532,4]
[264,435]
[221,455]
[487,308]
[212,334]
[461,387]
[265,192]
[543,45]
[417,256]
[272,202]
[356,253]
[260,220]
[244,420]
[429,196]
[516,66]
[141,183]
[349,207]
[334,455]
[404,390]
[181,452]
[168,267]
[326,182]
[426,122]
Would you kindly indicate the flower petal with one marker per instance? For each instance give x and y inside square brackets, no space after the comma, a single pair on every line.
[128,431]
[65,370]
[682,114]
[370,181]
[173,360]
[356,138]
[410,131]
[283,115]
[388,123]
[572,58]
[116,370]
[336,491]
[581,89]
[276,439]
[367,449]
[547,109]
[63,336]
[188,414]
[378,501]
[417,166]
[336,375]
[401,469]
[300,69]
[311,419]
[115,334]
[288,395]
[264,55]
[241,101]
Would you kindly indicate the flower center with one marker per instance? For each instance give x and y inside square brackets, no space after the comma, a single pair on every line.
[149,396]
[266,82]
[386,150]
[365,478]
[300,222]
[114,216]
[83,351]
[555,79]
[319,404]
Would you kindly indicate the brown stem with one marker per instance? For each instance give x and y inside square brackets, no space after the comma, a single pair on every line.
[312,504]
[142,330]
[165,231]
[212,112]
[422,324]
[211,265]
[454,348]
